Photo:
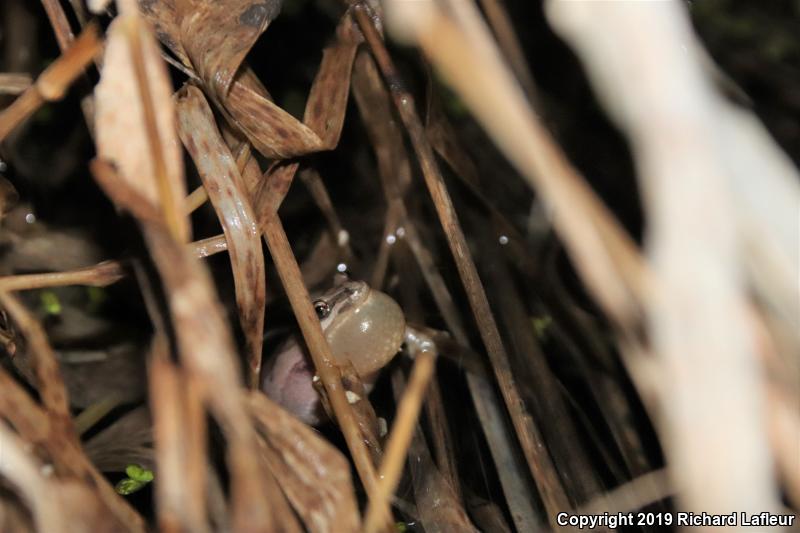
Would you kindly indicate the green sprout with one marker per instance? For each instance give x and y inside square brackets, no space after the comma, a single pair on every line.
[540,325]
[50,303]
[138,477]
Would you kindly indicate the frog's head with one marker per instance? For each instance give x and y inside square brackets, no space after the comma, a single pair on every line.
[363,326]
[339,300]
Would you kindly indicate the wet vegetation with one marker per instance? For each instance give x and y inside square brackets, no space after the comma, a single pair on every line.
[587,212]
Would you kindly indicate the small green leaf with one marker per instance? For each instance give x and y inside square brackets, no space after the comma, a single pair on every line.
[139,473]
[128,486]
[541,324]
[50,303]
[400,527]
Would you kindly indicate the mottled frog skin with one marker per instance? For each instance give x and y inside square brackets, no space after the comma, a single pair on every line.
[364,327]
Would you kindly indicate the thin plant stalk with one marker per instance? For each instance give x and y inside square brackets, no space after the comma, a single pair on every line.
[541,467]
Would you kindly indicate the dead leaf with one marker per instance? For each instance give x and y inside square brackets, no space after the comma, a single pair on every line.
[152,167]
[314,475]
[231,201]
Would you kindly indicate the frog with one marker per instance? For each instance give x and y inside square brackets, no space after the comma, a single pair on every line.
[364,327]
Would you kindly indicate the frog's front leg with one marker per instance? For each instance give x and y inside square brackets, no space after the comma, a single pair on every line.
[418,340]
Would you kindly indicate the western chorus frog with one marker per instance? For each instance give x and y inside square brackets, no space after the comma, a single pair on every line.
[363,326]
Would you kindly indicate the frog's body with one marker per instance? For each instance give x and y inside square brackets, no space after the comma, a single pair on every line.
[364,327]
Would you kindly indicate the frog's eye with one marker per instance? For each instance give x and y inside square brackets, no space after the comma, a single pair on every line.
[322,308]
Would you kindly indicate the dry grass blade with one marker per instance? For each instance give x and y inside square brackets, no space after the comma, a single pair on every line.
[20,467]
[442,440]
[11,83]
[316,187]
[213,38]
[399,439]
[95,411]
[80,10]
[632,496]
[34,425]
[231,201]
[329,374]
[604,289]
[375,107]
[784,428]
[699,320]
[99,275]
[507,39]
[438,504]
[65,38]
[270,191]
[445,142]
[127,441]
[604,255]
[603,386]
[764,210]
[164,18]
[390,225]
[204,342]
[53,82]
[217,36]
[50,384]
[538,462]
[209,246]
[206,349]
[196,198]
[59,22]
[275,133]
[179,435]
[314,475]
[54,428]
[364,412]
[135,122]
[327,101]
[394,169]
[17,407]
[280,509]
[8,197]
[549,406]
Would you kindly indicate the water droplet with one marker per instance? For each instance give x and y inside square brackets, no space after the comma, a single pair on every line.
[401,231]
[343,237]
[30,218]
[391,239]
[383,427]
[503,239]
[404,101]
[341,267]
